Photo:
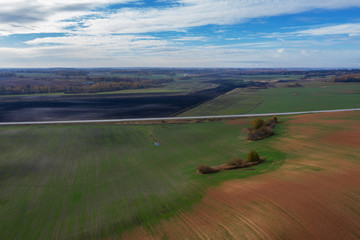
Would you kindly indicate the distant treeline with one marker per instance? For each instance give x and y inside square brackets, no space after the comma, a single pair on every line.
[115,86]
[323,73]
[30,89]
[92,87]
[68,72]
[347,78]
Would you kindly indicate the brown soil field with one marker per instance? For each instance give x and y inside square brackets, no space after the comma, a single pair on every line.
[347,91]
[314,195]
[349,138]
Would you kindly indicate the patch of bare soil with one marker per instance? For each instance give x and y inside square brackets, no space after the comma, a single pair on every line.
[334,116]
[314,195]
[347,137]
[347,91]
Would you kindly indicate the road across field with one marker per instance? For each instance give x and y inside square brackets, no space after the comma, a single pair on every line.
[174,118]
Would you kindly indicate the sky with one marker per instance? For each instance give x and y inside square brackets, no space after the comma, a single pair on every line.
[180,33]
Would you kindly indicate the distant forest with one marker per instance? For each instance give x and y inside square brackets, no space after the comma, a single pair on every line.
[70,81]
[34,81]
[81,88]
[347,78]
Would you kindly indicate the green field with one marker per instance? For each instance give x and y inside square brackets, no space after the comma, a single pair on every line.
[98,181]
[313,96]
[261,77]
[92,181]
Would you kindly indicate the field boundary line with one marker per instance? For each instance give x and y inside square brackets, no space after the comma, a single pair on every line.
[145,120]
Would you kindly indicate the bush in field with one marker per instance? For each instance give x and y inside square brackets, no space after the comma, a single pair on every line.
[236,161]
[204,169]
[271,122]
[253,156]
[267,130]
[261,129]
[257,123]
[258,134]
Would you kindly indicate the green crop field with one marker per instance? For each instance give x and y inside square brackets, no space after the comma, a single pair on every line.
[92,181]
[260,77]
[313,96]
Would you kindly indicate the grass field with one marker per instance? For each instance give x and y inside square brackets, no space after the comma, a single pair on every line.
[313,96]
[92,181]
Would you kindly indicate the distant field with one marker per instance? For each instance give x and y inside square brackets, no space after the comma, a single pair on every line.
[172,87]
[145,90]
[272,77]
[92,181]
[107,106]
[141,90]
[313,96]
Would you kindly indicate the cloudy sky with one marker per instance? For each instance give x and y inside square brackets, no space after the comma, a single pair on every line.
[180,33]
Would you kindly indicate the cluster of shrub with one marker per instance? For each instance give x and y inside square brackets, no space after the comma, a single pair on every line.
[253,158]
[261,129]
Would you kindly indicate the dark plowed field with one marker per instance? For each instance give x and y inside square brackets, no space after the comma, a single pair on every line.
[114,106]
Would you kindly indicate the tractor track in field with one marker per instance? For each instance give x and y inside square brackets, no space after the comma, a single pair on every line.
[56,231]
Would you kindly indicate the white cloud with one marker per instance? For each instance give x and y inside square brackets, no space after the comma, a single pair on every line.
[43,16]
[193,13]
[91,39]
[174,56]
[198,38]
[85,47]
[350,29]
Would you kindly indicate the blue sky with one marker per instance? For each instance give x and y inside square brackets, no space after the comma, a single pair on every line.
[180,33]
